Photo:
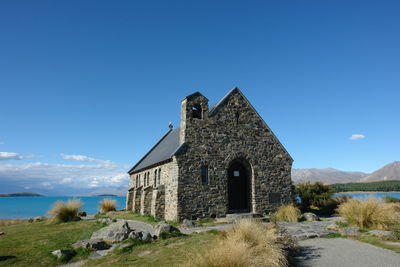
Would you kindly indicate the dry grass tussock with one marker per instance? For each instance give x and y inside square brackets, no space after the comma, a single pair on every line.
[107,205]
[370,213]
[248,243]
[288,213]
[64,212]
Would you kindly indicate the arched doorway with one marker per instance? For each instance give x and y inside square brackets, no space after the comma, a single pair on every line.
[239,174]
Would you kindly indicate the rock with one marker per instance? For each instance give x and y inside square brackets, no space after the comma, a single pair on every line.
[350,231]
[142,235]
[333,227]
[37,219]
[145,236]
[381,233]
[164,227]
[310,217]
[2,233]
[188,223]
[60,252]
[105,220]
[115,232]
[101,253]
[82,214]
[92,244]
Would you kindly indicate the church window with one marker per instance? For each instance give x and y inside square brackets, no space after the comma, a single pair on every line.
[155,178]
[237,117]
[159,176]
[204,174]
[196,112]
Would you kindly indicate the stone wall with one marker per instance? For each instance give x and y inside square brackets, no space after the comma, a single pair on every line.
[158,197]
[234,131]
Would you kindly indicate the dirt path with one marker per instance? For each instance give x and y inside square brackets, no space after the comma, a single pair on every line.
[329,252]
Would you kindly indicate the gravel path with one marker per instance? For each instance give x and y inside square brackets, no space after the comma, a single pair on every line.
[330,252]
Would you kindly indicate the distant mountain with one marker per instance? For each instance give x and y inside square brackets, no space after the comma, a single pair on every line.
[388,172]
[326,176]
[20,194]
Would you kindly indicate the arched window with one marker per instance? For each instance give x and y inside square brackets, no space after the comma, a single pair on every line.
[148,178]
[196,112]
[237,115]
[155,178]
[159,176]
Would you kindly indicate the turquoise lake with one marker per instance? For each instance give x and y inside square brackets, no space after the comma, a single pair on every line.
[27,207]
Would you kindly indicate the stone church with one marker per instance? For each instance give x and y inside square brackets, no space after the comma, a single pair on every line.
[221,159]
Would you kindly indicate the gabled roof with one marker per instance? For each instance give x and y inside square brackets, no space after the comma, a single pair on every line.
[169,145]
[163,150]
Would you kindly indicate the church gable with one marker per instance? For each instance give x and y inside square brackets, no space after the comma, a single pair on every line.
[237,109]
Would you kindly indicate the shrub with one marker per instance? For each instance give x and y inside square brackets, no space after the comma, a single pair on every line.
[64,212]
[329,207]
[370,213]
[314,194]
[389,199]
[107,205]
[288,213]
[248,243]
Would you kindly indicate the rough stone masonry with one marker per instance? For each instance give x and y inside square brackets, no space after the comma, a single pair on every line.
[223,159]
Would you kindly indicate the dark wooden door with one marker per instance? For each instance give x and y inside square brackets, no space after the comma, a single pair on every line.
[238,188]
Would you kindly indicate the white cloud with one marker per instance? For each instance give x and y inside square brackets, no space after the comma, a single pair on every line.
[357,136]
[85,159]
[13,156]
[45,175]
[1,143]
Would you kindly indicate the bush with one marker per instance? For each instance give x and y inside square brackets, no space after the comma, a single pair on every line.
[314,195]
[370,213]
[248,243]
[389,199]
[288,213]
[64,212]
[329,207]
[107,205]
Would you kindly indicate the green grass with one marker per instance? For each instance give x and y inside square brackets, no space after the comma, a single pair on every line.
[168,252]
[334,235]
[130,215]
[376,241]
[31,244]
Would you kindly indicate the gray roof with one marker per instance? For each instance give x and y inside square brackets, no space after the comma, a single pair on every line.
[163,150]
[169,145]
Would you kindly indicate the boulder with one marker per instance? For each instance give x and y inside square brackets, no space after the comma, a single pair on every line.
[164,227]
[115,232]
[2,233]
[105,220]
[333,227]
[310,217]
[92,244]
[350,231]
[141,235]
[61,252]
[381,233]
[188,223]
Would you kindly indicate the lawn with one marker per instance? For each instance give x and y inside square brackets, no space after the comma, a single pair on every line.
[31,244]
[169,252]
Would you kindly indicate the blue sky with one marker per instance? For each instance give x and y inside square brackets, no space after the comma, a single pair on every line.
[103,79]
